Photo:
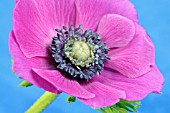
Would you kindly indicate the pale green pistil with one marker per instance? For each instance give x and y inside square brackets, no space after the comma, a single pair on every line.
[81,51]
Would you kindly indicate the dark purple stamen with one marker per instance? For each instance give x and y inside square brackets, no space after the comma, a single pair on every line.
[62,45]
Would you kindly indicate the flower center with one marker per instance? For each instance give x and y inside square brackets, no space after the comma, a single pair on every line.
[80,54]
[81,50]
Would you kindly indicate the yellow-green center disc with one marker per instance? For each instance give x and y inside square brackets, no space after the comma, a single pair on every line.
[81,50]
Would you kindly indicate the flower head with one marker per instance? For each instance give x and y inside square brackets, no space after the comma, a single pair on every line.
[94,50]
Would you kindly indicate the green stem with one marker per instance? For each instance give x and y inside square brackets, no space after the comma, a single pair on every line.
[42,103]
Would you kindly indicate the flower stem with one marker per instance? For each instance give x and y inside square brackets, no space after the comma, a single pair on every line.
[42,103]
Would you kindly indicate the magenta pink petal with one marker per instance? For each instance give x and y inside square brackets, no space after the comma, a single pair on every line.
[47,13]
[89,12]
[136,58]
[65,12]
[35,22]
[22,66]
[135,88]
[105,95]
[32,33]
[117,31]
[64,84]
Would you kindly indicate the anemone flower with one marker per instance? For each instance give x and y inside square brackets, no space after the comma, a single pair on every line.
[94,50]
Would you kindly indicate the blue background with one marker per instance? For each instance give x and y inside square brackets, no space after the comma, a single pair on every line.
[154,15]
